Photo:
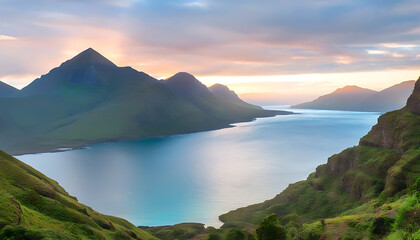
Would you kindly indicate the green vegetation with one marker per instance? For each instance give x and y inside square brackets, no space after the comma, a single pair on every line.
[32,206]
[370,191]
[269,229]
[235,234]
[180,231]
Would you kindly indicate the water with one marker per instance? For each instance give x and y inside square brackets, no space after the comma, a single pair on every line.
[197,177]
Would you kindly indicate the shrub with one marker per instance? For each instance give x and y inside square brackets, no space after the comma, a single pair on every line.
[20,233]
[235,234]
[381,226]
[311,231]
[269,229]
[213,236]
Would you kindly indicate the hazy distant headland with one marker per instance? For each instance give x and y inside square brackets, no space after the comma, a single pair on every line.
[354,98]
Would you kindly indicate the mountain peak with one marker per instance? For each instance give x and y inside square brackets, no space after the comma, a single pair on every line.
[185,80]
[352,89]
[413,102]
[187,85]
[222,90]
[88,57]
[184,76]
[219,86]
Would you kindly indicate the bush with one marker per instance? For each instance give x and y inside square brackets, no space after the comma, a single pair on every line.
[213,236]
[269,229]
[235,234]
[20,233]
[311,231]
[381,226]
[250,236]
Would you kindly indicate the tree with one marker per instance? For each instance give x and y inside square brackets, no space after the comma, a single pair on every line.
[235,234]
[269,229]
[213,236]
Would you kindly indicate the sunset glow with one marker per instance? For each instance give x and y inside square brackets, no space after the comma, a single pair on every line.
[303,43]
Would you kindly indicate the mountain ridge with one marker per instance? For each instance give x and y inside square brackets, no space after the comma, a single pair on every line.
[354,98]
[91,101]
[222,91]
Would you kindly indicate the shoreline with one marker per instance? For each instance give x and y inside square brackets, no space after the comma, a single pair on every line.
[76,146]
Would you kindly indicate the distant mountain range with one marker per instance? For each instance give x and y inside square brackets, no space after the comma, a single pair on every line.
[354,98]
[89,99]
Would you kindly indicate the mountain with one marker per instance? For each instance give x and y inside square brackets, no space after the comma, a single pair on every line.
[391,98]
[89,99]
[368,191]
[33,206]
[348,98]
[196,93]
[6,90]
[353,98]
[223,92]
[274,98]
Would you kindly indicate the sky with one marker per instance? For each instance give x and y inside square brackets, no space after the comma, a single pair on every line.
[288,47]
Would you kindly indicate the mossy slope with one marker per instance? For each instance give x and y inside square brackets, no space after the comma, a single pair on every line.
[358,183]
[32,206]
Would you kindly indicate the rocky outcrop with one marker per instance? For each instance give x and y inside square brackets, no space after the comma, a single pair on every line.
[383,135]
[413,102]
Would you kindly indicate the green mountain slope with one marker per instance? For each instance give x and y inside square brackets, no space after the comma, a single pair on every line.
[89,99]
[32,206]
[374,180]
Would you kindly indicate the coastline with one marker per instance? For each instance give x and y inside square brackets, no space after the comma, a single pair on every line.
[81,145]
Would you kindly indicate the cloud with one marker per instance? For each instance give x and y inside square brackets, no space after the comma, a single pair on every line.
[5,37]
[375,52]
[218,37]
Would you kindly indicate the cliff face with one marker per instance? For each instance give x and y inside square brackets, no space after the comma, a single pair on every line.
[413,102]
[398,129]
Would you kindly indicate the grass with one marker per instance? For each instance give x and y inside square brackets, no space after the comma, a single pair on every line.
[365,192]
[33,206]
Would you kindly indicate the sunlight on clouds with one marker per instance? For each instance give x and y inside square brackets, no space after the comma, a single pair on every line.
[321,83]
[396,45]
[398,55]
[18,81]
[343,59]
[376,52]
[5,37]
[299,57]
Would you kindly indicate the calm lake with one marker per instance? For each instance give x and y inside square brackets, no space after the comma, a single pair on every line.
[197,177]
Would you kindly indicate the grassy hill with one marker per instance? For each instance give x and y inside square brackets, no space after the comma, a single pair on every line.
[32,206]
[367,191]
